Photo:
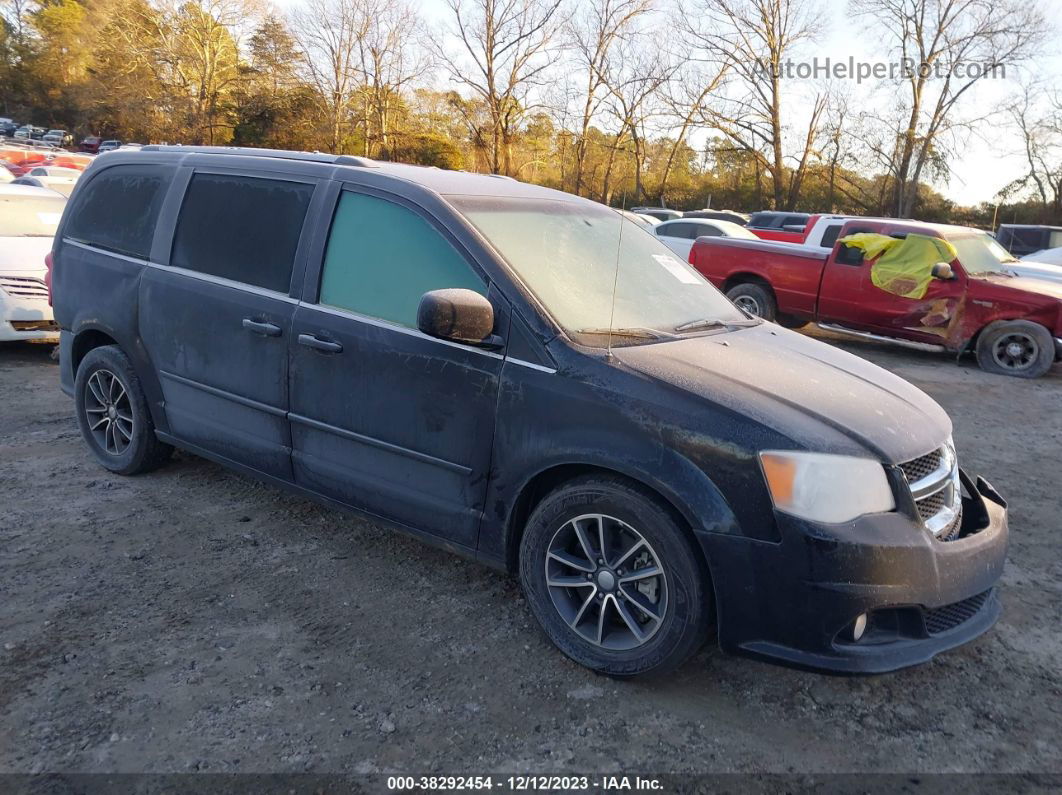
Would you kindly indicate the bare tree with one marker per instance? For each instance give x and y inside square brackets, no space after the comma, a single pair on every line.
[502,55]
[594,31]
[388,62]
[1037,115]
[752,40]
[330,32]
[947,47]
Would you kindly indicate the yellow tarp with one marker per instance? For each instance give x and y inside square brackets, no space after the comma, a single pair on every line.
[902,266]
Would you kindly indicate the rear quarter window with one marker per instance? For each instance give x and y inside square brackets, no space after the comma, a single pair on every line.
[118,209]
[242,228]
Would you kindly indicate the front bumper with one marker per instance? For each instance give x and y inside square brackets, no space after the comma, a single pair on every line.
[794,602]
[24,318]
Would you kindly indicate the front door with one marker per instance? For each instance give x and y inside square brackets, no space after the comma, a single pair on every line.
[383,417]
[215,319]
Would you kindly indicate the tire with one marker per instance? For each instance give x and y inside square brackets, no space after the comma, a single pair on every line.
[790,322]
[570,615]
[1015,347]
[756,299]
[108,395]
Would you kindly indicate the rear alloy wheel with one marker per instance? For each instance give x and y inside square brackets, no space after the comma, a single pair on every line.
[613,578]
[755,299]
[113,414]
[1016,347]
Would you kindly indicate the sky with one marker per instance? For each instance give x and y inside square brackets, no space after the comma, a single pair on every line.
[987,159]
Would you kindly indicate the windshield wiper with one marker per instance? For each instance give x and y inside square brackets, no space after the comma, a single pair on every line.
[699,325]
[633,332]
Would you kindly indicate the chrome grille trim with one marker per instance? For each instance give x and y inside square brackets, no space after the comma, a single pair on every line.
[937,492]
[23,286]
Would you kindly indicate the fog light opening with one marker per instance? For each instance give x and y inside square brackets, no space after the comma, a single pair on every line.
[859,626]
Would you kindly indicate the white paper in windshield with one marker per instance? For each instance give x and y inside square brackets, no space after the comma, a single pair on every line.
[676,269]
[50,219]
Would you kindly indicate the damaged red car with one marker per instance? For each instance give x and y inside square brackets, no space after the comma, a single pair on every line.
[968,300]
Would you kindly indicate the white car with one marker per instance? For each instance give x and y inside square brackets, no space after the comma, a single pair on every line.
[58,178]
[678,235]
[28,219]
[1046,264]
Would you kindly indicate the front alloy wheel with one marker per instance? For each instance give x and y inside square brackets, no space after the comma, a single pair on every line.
[606,581]
[614,577]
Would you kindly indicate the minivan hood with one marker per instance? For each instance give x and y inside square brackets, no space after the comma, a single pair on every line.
[24,254]
[817,395]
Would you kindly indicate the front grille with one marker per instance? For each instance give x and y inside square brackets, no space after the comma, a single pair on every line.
[933,479]
[950,616]
[24,286]
[930,506]
[920,467]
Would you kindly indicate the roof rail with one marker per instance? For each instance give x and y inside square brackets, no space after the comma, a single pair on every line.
[283,154]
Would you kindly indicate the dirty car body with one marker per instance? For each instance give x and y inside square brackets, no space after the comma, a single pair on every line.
[462,441]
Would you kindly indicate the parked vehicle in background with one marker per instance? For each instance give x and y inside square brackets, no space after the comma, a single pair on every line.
[646,222]
[8,127]
[535,388]
[786,227]
[1048,256]
[971,303]
[131,146]
[29,132]
[57,178]
[1023,239]
[679,235]
[28,220]
[108,145]
[719,215]
[659,213]
[90,144]
[75,160]
[57,137]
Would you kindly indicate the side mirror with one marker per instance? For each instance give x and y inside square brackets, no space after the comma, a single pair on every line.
[458,315]
[942,271]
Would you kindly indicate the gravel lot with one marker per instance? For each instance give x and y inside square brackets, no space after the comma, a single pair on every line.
[194,620]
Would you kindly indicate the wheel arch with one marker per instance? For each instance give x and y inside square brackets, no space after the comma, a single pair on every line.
[552,477]
[90,336]
[746,277]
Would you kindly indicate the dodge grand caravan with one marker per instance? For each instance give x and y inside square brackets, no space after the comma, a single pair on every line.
[527,378]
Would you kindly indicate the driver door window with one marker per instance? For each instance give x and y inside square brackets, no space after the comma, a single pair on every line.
[382,257]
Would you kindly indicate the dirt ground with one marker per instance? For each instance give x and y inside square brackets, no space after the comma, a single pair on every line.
[195,620]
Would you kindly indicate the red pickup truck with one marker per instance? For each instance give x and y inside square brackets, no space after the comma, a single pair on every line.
[973,302]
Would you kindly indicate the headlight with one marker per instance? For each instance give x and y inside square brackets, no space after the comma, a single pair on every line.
[826,488]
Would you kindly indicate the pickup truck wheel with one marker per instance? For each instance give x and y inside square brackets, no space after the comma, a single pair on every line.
[612,578]
[113,414]
[788,321]
[1016,347]
[755,299]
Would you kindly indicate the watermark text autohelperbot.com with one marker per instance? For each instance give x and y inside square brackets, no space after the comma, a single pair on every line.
[860,71]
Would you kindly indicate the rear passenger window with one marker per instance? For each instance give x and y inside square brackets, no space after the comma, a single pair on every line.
[242,228]
[117,210]
[382,257]
[829,237]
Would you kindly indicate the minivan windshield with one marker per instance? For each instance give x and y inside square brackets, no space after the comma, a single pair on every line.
[30,216]
[980,253]
[574,255]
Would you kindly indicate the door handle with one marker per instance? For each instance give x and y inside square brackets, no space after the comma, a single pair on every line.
[261,327]
[318,344]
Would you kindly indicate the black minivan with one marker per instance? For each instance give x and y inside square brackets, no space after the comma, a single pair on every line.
[527,378]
